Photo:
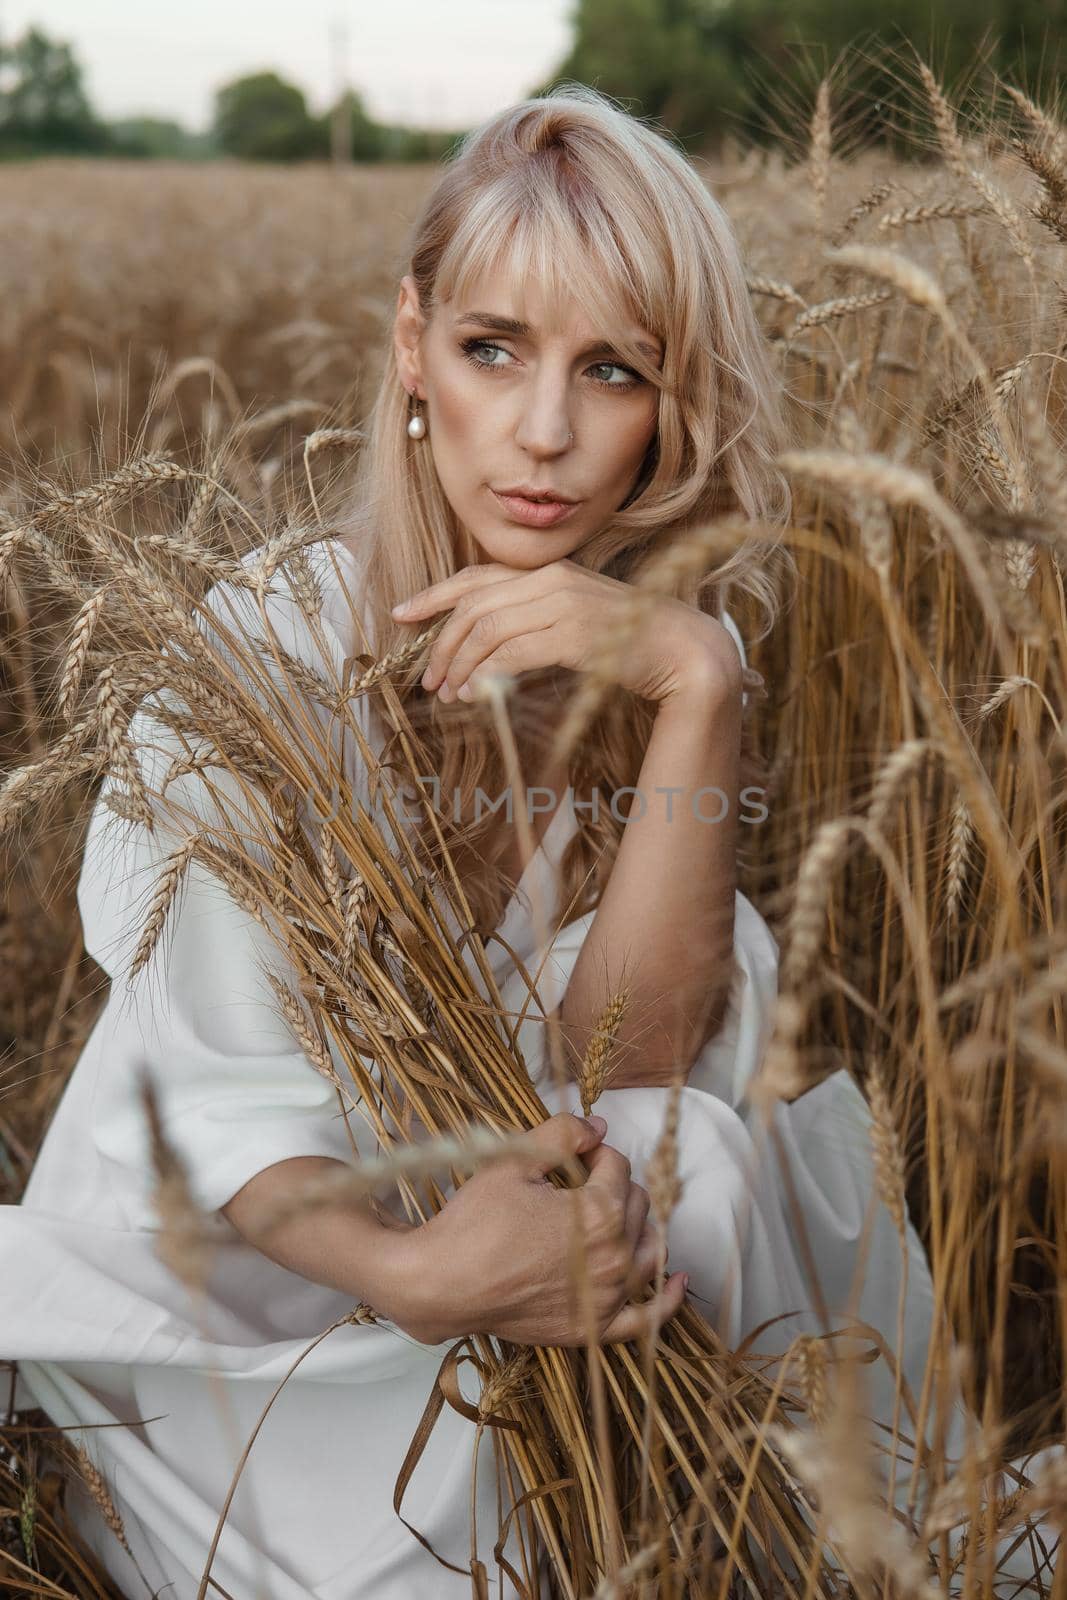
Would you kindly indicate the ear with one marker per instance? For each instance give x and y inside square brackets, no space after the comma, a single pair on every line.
[407,330]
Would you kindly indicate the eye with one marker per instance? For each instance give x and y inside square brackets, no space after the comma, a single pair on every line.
[616,366]
[472,347]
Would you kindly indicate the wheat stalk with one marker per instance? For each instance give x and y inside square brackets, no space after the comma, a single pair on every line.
[596,1066]
[961,835]
[821,152]
[181,1242]
[98,1489]
[945,123]
[167,886]
[930,211]
[885,1143]
[81,639]
[774,288]
[895,771]
[842,306]
[863,208]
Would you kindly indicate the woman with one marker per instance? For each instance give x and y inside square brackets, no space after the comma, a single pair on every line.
[575,377]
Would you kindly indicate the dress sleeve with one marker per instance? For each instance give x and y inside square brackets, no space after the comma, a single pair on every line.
[735,633]
[235,1090]
[727,1062]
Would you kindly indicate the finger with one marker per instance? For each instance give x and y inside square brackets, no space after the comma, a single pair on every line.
[511,641]
[468,613]
[439,596]
[467,609]
[560,1138]
[649,1260]
[504,639]
[609,1173]
[546,648]
[638,1203]
[636,1322]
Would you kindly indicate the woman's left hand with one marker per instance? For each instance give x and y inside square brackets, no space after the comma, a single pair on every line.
[511,620]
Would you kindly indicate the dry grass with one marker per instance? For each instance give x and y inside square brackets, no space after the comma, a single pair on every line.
[913,865]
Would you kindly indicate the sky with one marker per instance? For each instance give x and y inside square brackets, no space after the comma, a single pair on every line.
[443,63]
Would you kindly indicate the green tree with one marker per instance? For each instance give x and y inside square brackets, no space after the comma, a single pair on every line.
[368,138]
[43,104]
[263,118]
[156,138]
[670,60]
[705,68]
[380,141]
[417,144]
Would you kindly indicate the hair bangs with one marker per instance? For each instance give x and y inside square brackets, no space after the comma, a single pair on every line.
[530,237]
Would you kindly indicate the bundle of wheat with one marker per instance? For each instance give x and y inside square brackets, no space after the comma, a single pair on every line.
[665,1460]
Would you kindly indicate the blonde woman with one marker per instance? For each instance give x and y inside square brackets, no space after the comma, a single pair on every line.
[574,378]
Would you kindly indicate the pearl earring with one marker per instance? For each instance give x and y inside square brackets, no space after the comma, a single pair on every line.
[416,424]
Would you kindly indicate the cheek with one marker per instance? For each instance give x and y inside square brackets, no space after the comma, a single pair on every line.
[623,444]
[460,409]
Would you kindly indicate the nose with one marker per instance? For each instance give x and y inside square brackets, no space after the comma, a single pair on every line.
[545,425]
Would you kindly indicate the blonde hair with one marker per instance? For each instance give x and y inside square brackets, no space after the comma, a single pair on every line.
[575,193]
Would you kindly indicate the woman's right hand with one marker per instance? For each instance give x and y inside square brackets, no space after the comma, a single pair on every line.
[499,1257]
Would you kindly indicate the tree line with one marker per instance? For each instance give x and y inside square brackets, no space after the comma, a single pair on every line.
[706,69]
[703,69]
[45,110]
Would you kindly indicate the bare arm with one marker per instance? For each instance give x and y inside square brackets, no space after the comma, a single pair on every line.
[665,922]
[343,1244]
[495,1259]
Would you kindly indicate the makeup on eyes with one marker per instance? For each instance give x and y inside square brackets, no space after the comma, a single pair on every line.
[469,347]
[491,322]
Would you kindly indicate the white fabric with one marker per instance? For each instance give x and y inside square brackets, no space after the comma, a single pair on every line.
[104,1333]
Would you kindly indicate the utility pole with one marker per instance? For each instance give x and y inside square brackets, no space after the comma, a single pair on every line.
[341,118]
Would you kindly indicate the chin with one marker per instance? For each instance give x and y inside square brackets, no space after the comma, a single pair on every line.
[527,556]
[522,547]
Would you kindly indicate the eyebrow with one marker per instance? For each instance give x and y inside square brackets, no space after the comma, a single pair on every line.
[522,330]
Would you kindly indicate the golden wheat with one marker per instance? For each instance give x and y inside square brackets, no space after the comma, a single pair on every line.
[929,506]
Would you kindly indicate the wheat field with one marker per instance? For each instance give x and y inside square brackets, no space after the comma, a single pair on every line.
[913,865]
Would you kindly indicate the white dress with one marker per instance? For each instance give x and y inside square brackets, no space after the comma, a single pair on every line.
[104,1333]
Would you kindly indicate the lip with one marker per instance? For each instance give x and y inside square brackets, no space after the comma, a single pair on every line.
[517,490]
[536,513]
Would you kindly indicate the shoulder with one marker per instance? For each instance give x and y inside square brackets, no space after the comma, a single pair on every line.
[275,652]
[277,637]
[303,599]
[277,630]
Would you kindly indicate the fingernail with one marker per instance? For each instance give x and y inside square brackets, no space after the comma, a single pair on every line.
[400,607]
[598,1124]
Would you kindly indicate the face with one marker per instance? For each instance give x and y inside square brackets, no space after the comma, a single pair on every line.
[536,407]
